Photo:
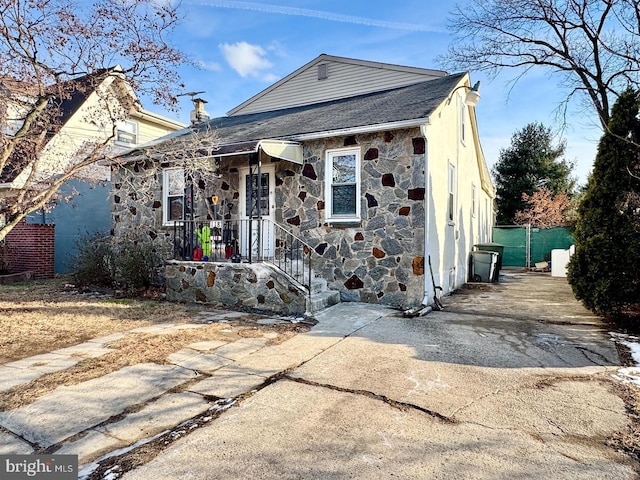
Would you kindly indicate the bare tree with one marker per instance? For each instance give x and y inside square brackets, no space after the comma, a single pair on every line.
[54,50]
[591,46]
[544,209]
[192,151]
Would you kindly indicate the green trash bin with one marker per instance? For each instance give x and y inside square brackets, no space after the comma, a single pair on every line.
[483,266]
[492,247]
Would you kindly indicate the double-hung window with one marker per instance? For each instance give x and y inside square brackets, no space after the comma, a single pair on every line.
[342,185]
[173,195]
[473,200]
[452,192]
[127,133]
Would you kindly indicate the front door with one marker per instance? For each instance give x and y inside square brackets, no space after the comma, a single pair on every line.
[256,236]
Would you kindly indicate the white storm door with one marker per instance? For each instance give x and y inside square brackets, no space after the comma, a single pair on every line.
[257,236]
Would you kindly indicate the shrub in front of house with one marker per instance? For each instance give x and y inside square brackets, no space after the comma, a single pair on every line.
[136,265]
[94,263]
[127,265]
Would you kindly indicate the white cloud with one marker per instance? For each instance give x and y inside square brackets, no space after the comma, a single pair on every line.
[247,59]
[270,78]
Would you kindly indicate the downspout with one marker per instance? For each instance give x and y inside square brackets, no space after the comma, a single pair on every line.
[428,297]
[456,199]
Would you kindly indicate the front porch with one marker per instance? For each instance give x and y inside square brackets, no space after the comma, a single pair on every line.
[247,264]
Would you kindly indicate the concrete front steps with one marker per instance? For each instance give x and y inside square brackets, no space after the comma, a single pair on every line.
[321,297]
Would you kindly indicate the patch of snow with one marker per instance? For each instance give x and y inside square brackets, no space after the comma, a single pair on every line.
[632,342]
[88,469]
[222,405]
[629,374]
[111,474]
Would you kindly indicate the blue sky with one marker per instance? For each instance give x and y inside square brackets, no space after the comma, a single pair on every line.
[243,47]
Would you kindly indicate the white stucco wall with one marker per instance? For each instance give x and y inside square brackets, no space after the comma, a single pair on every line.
[450,241]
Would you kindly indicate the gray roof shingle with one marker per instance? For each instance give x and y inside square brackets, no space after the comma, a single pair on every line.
[412,102]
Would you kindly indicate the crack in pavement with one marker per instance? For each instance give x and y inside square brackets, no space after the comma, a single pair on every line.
[389,401]
[113,465]
[478,399]
[117,465]
[125,461]
[35,447]
[144,452]
[585,350]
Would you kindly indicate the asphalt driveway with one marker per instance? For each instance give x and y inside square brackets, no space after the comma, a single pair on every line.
[511,380]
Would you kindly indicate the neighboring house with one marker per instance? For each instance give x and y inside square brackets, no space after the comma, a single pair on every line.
[371,172]
[82,206]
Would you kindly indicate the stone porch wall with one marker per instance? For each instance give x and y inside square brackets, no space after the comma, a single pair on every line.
[241,285]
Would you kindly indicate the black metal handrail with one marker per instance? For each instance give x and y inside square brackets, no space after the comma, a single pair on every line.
[291,254]
[249,241]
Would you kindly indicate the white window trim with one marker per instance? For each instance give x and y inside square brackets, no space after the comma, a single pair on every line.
[474,200]
[451,194]
[165,197]
[464,128]
[135,132]
[328,182]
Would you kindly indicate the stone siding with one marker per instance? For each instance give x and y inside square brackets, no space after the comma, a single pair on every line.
[380,259]
[254,286]
[136,208]
[377,260]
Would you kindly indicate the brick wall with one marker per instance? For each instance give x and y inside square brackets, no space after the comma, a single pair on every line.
[29,247]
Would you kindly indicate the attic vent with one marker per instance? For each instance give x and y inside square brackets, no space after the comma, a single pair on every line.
[323,71]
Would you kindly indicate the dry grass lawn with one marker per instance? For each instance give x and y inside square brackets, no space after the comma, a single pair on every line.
[40,317]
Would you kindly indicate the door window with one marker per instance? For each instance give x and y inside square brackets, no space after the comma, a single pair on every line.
[252,195]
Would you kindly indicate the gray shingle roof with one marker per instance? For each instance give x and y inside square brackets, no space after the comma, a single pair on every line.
[412,102]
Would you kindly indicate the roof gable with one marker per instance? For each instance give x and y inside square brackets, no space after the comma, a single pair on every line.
[68,99]
[401,107]
[329,78]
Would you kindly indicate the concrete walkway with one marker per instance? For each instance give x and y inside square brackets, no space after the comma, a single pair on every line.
[488,388]
[91,419]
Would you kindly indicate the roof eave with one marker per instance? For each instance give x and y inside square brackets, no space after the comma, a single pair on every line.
[379,127]
[158,119]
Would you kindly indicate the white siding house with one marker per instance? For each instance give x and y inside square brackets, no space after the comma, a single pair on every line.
[84,129]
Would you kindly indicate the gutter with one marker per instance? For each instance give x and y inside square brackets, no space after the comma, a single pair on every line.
[162,120]
[380,127]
